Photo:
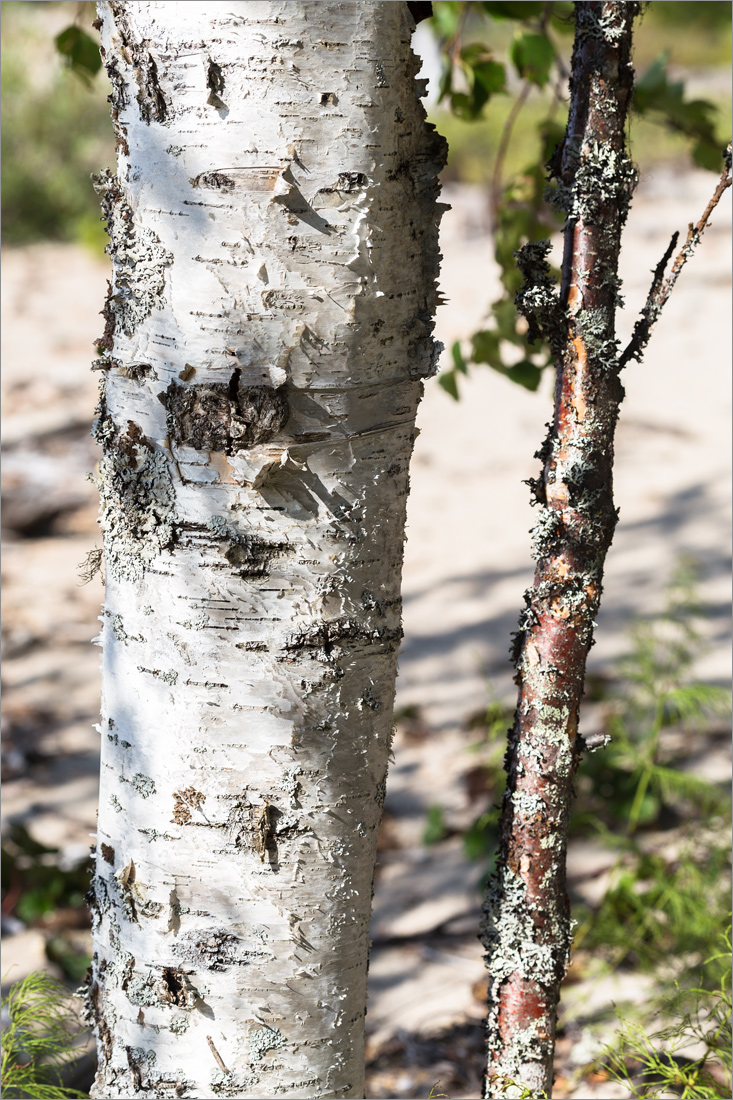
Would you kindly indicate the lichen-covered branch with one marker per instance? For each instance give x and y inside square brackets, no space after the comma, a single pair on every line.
[527,928]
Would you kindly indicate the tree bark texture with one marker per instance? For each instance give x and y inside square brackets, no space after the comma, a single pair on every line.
[527,929]
[273,231]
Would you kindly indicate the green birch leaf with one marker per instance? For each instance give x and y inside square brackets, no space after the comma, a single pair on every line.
[447,379]
[80,52]
[462,106]
[533,57]
[708,154]
[485,348]
[505,314]
[525,374]
[446,16]
[458,361]
[491,75]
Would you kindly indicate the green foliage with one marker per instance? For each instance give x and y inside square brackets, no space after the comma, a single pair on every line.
[80,52]
[651,911]
[631,783]
[698,1018]
[668,896]
[668,828]
[533,57]
[471,77]
[435,827]
[655,94]
[481,75]
[55,132]
[39,1026]
[31,871]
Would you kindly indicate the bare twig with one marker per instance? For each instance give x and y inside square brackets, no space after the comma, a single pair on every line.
[217,1056]
[661,288]
[506,133]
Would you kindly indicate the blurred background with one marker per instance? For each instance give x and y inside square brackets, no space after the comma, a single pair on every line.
[651,832]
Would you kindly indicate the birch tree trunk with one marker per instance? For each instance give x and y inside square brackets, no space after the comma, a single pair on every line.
[273,229]
[528,930]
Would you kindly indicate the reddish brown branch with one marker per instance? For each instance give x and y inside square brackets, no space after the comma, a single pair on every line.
[661,289]
[527,930]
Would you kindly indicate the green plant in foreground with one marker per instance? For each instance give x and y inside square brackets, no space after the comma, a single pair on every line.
[651,911]
[39,1026]
[681,1055]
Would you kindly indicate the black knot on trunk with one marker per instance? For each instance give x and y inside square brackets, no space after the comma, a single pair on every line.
[224,417]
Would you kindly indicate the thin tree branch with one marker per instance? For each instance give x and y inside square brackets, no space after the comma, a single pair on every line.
[661,289]
[527,930]
[506,133]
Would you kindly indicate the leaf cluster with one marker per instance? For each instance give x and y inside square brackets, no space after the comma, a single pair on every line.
[521,213]
[35,886]
[39,1026]
[664,99]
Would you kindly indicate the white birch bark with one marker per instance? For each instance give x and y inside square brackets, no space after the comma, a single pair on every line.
[273,230]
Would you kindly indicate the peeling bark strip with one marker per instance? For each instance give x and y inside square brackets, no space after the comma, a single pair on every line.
[273,231]
[527,929]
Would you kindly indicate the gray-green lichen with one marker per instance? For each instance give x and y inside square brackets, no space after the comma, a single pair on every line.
[607,26]
[168,676]
[526,804]
[263,1039]
[139,261]
[143,784]
[546,532]
[141,991]
[290,783]
[136,500]
[537,299]
[602,175]
[509,931]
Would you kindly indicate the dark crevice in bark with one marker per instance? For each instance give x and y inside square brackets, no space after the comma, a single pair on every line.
[215,84]
[327,638]
[527,930]
[154,107]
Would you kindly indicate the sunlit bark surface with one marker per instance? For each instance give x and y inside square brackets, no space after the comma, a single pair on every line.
[273,230]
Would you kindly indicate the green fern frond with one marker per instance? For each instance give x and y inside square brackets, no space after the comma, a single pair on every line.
[673,785]
[38,1039]
[696,700]
[653,1065]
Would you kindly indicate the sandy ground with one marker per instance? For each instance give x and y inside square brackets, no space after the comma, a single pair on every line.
[467,564]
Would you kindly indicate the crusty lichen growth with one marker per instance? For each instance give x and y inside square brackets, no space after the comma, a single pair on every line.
[136,503]
[138,256]
[527,930]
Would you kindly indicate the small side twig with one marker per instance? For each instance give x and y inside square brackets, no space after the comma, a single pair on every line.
[506,133]
[661,288]
[217,1056]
